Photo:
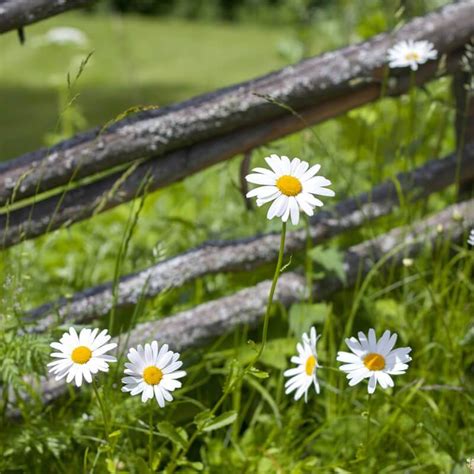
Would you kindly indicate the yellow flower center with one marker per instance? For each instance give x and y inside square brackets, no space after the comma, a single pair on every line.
[81,355]
[289,185]
[310,365]
[152,375]
[412,56]
[374,361]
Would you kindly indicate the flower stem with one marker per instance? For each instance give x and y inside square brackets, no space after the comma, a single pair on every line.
[102,409]
[369,406]
[150,438]
[276,275]
[412,135]
[309,261]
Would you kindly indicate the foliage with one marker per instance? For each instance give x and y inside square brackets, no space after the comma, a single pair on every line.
[215,9]
[425,424]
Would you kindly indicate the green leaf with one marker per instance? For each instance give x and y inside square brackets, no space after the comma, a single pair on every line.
[111,467]
[156,461]
[130,111]
[303,315]
[201,419]
[234,375]
[286,265]
[196,466]
[267,397]
[331,259]
[225,419]
[170,432]
[260,374]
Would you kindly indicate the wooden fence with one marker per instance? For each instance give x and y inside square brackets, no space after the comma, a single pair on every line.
[56,187]
[16,14]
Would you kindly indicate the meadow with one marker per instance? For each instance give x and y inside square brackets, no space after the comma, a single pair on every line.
[425,424]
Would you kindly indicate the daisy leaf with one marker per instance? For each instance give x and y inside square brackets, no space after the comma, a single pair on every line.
[170,432]
[331,259]
[226,418]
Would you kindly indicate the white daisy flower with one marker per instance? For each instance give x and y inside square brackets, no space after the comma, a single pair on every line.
[302,376]
[152,372]
[373,360]
[290,185]
[470,240]
[81,356]
[411,53]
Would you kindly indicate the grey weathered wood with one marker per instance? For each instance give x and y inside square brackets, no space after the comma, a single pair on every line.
[311,83]
[214,257]
[15,14]
[198,325]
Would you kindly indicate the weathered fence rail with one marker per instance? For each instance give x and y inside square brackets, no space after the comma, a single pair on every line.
[16,14]
[79,203]
[198,325]
[248,254]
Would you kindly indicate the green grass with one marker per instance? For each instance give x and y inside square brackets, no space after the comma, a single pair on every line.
[424,425]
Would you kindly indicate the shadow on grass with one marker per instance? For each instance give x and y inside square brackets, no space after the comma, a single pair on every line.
[31,114]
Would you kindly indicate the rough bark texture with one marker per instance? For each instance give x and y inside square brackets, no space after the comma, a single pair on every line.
[80,203]
[198,325]
[338,74]
[15,14]
[214,257]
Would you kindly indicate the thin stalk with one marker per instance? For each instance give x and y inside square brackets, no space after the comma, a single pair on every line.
[102,409]
[369,414]
[276,275]
[309,261]
[410,160]
[124,247]
[150,438]
[84,463]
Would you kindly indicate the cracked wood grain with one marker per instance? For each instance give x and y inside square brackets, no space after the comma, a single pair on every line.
[85,201]
[15,14]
